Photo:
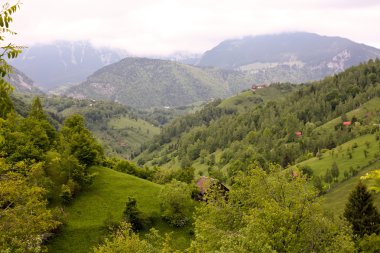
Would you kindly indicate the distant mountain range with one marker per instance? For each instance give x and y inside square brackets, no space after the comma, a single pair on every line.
[144,83]
[288,57]
[81,70]
[63,62]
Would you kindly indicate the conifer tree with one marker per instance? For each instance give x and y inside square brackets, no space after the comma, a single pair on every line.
[361,212]
[37,111]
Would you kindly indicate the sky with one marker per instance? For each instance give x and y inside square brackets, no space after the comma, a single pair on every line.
[162,27]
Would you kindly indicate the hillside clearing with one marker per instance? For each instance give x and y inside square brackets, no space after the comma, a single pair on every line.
[104,200]
[337,198]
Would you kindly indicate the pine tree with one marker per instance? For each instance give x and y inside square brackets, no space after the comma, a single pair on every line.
[37,111]
[361,212]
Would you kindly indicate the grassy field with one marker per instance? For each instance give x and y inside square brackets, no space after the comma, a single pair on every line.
[140,125]
[132,133]
[336,199]
[104,199]
[247,99]
[340,155]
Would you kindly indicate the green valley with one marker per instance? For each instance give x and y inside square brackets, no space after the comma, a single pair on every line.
[158,156]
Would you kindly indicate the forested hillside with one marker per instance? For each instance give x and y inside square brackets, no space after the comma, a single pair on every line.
[145,83]
[268,133]
[121,130]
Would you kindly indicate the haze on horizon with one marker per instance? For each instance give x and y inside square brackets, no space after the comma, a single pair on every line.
[160,27]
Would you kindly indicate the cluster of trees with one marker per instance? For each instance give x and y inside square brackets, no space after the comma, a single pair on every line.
[159,175]
[39,165]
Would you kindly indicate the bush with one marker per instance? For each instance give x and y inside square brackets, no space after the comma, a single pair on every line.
[134,216]
[176,204]
[65,194]
[307,171]
[370,244]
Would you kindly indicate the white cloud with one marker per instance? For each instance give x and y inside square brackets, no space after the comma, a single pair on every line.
[164,26]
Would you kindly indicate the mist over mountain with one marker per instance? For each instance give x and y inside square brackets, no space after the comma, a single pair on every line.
[64,62]
[295,57]
[144,83]
[182,78]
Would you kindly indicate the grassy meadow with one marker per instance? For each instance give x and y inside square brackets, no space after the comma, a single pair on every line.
[341,155]
[105,200]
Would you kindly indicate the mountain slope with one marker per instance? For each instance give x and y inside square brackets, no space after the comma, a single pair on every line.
[269,133]
[142,82]
[22,83]
[292,57]
[62,62]
[116,126]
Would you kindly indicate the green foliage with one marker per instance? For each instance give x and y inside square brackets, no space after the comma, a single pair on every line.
[269,212]
[370,243]
[37,111]
[164,175]
[125,240]
[335,171]
[374,176]
[307,171]
[6,105]
[9,50]
[79,142]
[176,204]
[361,212]
[131,168]
[24,215]
[65,194]
[26,139]
[133,215]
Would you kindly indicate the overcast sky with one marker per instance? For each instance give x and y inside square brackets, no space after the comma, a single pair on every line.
[145,27]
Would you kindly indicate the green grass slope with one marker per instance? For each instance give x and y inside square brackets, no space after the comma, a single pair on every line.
[248,99]
[336,199]
[341,157]
[105,198]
